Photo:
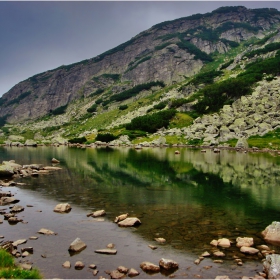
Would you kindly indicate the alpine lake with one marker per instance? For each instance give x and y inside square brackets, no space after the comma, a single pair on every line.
[188,199]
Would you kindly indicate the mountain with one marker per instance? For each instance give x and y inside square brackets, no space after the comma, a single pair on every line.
[165,67]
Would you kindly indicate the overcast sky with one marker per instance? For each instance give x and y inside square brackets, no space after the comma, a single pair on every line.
[40,36]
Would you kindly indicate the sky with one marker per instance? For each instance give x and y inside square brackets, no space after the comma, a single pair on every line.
[37,36]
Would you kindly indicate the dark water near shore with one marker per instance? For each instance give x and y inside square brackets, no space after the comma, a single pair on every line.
[189,199]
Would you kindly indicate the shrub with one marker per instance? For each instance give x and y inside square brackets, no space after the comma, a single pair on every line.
[98,101]
[97,92]
[178,102]
[114,77]
[105,137]
[92,109]
[160,105]
[206,77]
[138,62]
[132,134]
[135,90]
[78,140]
[151,123]
[58,111]
[123,107]
[19,98]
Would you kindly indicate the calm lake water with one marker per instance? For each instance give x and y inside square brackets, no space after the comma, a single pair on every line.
[189,199]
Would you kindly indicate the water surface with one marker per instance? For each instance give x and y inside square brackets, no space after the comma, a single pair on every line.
[189,199]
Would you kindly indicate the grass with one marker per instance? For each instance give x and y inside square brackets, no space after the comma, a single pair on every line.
[9,270]
[181,120]
[270,140]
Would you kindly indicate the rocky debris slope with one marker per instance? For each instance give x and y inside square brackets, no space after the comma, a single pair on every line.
[254,114]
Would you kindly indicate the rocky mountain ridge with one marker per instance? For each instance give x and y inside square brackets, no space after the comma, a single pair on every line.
[170,51]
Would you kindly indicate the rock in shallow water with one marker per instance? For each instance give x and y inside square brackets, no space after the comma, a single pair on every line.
[106,251]
[62,208]
[129,222]
[77,245]
[168,264]
[271,233]
[149,267]
[272,266]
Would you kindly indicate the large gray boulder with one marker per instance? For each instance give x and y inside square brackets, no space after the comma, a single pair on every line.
[272,266]
[62,208]
[30,142]
[271,233]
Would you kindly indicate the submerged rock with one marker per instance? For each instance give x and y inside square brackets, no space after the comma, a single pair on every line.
[17,208]
[77,245]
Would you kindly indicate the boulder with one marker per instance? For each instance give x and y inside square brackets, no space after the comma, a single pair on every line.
[168,264]
[244,241]
[6,170]
[62,208]
[45,231]
[271,233]
[272,266]
[149,267]
[129,222]
[248,250]
[77,245]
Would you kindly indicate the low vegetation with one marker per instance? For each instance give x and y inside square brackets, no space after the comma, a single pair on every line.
[9,270]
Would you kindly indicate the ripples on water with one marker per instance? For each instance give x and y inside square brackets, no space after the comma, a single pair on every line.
[189,199]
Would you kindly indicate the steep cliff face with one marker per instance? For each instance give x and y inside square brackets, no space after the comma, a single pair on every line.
[169,51]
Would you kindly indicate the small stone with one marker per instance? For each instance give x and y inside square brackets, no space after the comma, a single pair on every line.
[240,263]
[25,254]
[149,267]
[129,222]
[33,237]
[62,208]
[79,265]
[25,266]
[98,213]
[224,242]
[205,254]
[197,261]
[110,246]
[92,266]
[207,267]
[16,208]
[244,241]
[106,251]
[1,221]
[122,269]
[19,242]
[248,250]
[115,274]
[95,272]
[27,249]
[66,264]
[221,277]
[45,231]
[218,254]
[43,256]
[153,247]
[218,261]
[160,240]
[54,160]
[121,218]
[133,272]
[214,242]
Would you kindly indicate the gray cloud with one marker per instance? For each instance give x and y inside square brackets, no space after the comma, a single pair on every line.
[39,36]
